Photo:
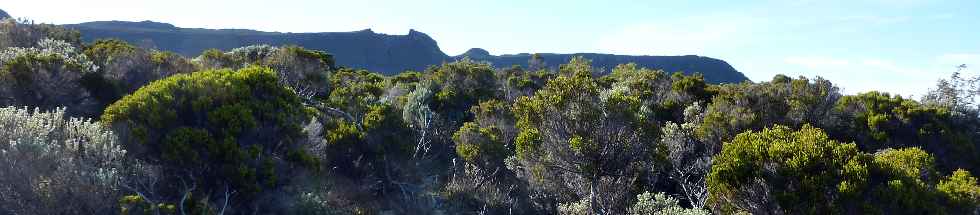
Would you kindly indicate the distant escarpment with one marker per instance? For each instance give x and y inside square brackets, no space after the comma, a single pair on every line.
[714,70]
[389,54]
[3,14]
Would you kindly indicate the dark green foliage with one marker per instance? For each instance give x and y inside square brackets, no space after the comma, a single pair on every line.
[215,59]
[478,145]
[487,141]
[693,85]
[905,180]
[216,130]
[104,50]
[784,101]
[517,82]
[961,189]
[573,131]
[355,90]
[124,68]
[46,75]
[879,120]
[779,170]
[26,34]
[322,56]
[292,132]
[305,71]
[460,85]
[407,77]
[802,171]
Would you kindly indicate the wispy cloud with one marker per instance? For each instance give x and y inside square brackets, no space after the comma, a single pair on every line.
[678,37]
[815,63]
[871,73]
[962,58]
[890,68]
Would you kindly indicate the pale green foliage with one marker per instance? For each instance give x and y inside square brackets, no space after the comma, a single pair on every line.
[957,93]
[477,186]
[416,111]
[575,208]
[660,204]
[305,71]
[419,117]
[46,76]
[50,48]
[49,165]
[790,157]
[961,188]
[690,159]
[575,137]
[24,33]
[253,53]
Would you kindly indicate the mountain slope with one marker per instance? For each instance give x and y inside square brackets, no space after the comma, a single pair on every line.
[360,49]
[366,49]
[715,70]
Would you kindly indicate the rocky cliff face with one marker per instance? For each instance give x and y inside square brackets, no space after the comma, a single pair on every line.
[4,15]
[366,49]
[359,49]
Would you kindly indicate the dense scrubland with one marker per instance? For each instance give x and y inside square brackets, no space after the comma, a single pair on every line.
[110,128]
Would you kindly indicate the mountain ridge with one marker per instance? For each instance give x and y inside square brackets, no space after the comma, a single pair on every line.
[388,54]
[4,14]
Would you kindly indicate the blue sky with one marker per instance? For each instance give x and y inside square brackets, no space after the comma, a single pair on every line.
[899,46]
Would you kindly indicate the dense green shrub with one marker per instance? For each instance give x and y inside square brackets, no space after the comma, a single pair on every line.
[779,170]
[783,101]
[124,68]
[962,190]
[215,131]
[355,90]
[574,131]
[459,85]
[878,120]
[215,59]
[305,71]
[486,141]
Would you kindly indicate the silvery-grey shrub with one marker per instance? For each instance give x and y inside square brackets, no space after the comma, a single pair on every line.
[47,75]
[53,165]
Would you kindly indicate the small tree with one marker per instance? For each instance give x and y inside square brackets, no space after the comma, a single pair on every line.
[690,159]
[216,133]
[573,137]
[780,169]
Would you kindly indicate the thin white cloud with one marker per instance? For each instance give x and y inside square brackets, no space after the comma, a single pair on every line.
[874,19]
[951,62]
[961,58]
[680,37]
[816,62]
[867,74]
[891,68]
